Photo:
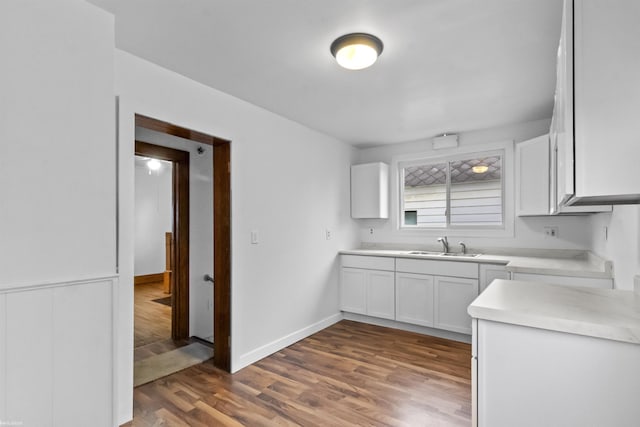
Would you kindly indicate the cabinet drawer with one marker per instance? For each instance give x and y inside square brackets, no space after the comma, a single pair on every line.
[438,268]
[369,262]
[589,282]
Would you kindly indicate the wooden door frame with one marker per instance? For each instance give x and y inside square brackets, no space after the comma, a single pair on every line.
[221,230]
[180,206]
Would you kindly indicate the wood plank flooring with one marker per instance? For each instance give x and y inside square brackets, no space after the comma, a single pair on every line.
[152,322]
[348,374]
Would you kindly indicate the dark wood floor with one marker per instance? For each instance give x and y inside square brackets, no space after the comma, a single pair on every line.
[348,374]
[152,323]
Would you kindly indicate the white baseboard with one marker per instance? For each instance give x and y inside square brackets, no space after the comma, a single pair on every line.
[277,345]
[440,333]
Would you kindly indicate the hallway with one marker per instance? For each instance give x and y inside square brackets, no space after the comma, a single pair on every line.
[155,354]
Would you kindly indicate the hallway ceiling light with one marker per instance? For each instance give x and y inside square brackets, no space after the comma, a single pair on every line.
[154,164]
[356,51]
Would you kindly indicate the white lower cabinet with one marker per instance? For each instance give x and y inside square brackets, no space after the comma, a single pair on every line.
[370,292]
[529,377]
[381,294]
[435,301]
[402,290]
[367,286]
[490,272]
[353,290]
[452,297]
[589,282]
[414,299]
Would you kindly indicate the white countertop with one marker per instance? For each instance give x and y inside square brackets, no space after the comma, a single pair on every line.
[601,313]
[587,265]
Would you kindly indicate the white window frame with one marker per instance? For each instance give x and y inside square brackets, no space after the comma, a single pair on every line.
[504,149]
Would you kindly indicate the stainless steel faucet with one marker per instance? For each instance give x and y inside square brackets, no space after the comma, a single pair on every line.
[464,247]
[445,243]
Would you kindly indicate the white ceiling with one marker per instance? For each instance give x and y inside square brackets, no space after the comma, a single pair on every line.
[447,65]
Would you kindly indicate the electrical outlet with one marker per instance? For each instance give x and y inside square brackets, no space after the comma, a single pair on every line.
[327,234]
[551,231]
[371,230]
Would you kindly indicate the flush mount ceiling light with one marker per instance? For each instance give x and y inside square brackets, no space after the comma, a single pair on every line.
[480,168]
[356,51]
[154,164]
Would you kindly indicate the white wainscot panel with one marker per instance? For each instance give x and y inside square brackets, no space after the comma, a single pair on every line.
[28,351]
[3,340]
[83,355]
[56,354]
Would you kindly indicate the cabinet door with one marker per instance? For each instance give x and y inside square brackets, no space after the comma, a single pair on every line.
[490,272]
[452,297]
[563,110]
[414,298]
[532,171]
[607,99]
[353,290]
[381,294]
[370,190]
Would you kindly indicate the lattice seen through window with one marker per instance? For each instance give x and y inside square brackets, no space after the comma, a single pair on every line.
[466,192]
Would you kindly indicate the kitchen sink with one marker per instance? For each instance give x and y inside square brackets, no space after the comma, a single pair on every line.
[424,253]
[445,254]
[460,254]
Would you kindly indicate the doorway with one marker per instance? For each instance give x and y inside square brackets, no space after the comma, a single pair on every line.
[221,154]
[152,265]
[172,176]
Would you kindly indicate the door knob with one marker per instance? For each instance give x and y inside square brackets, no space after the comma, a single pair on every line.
[208,278]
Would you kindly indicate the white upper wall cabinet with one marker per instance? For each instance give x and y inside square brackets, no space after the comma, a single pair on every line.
[532,187]
[370,190]
[598,136]
[535,182]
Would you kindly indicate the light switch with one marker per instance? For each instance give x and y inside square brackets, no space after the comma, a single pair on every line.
[254,237]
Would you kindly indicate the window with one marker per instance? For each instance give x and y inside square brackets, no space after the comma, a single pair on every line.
[458,192]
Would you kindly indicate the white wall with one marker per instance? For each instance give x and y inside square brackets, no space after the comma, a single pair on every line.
[528,232]
[58,146]
[620,242]
[201,227]
[153,217]
[288,182]
[57,224]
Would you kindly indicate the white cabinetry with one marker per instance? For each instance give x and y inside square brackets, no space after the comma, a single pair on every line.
[590,282]
[381,294]
[490,272]
[370,190]
[367,286]
[532,377]
[536,181]
[439,299]
[421,292]
[597,137]
[532,168]
[353,290]
[414,299]
[452,297]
